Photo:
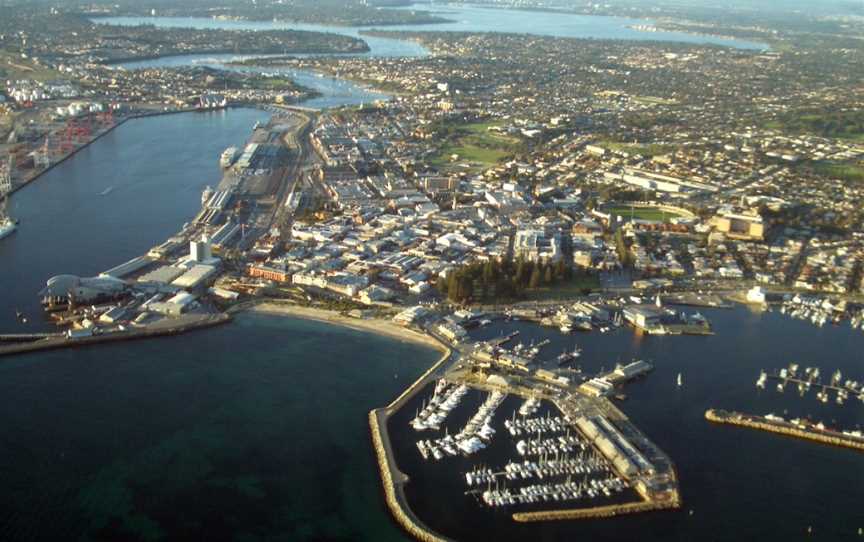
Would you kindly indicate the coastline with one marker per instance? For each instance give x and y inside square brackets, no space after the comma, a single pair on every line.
[380,327]
[393,480]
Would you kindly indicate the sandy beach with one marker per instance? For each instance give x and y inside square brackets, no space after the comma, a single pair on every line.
[381,327]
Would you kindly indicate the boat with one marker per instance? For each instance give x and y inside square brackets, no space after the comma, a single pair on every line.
[761,382]
[228,157]
[206,195]
[566,328]
[7,226]
[679,381]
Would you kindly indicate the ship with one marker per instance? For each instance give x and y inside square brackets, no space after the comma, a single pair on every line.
[206,195]
[761,382]
[7,226]
[228,157]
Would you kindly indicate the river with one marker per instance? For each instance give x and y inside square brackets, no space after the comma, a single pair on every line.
[112,201]
[465,18]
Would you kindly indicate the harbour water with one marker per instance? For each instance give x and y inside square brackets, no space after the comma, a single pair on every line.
[112,201]
[740,484]
[254,431]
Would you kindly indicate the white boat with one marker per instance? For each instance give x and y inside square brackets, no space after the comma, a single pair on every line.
[206,195]
[680,381]
[761,382]
[7,226]
[228,157]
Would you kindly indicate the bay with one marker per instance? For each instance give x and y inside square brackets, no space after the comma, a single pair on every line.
[254,431]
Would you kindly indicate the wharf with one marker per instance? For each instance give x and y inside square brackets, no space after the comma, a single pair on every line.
[690,299]
[172,327]
[685,329]
[810,432]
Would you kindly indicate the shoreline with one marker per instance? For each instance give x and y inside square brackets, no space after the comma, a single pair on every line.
[380,327]
[393,480]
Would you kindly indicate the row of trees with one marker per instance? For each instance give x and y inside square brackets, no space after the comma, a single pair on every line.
[502,279]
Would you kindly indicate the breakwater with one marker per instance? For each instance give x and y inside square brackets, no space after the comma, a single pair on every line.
[598,512]
[824,436]
[392,478]
[173,328]
[394,494]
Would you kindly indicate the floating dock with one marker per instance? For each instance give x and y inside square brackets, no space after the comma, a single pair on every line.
[801,429]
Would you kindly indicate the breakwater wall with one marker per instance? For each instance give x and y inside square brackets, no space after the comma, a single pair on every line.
[599,512]
[56,343]
[833,438]
[393,492]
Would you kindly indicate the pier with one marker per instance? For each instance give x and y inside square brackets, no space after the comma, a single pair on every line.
[597,512]
[169,327]
[774,424]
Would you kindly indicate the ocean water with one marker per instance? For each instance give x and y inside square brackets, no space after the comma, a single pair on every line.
[253,431]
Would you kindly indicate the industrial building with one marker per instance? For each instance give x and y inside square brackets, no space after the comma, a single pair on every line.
[745,226]
[627,460]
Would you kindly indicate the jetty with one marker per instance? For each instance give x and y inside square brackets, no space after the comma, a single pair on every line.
[794,428]
[175,326]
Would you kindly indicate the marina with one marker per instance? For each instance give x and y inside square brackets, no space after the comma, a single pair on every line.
[810,377]
[431,481]
[562,451]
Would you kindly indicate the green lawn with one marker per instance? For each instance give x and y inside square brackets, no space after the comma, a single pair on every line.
[848,125]
[14,67]
[642,213]
[844,172]
[476,145]
[574,288]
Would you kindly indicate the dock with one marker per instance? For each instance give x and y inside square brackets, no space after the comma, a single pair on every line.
[774,424]
[690,299]
[171,327]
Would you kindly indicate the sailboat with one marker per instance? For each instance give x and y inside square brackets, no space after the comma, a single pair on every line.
[679,381]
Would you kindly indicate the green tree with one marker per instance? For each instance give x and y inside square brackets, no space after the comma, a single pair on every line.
[534,282]
[441,284]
